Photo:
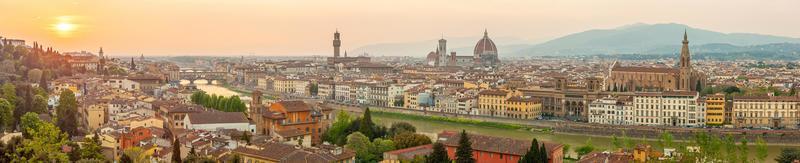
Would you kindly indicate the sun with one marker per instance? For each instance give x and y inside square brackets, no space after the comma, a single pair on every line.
[65,27]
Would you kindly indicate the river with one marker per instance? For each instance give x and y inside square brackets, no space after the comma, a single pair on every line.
[215,88]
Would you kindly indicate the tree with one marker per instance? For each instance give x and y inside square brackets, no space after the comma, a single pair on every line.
[585,149]
[313,89]
[401,127]
[743,151]
[666,140]
[380,145]
[45,143]
[464,149]
[39,104]
[542,154]
[565,150]
[176,151]
[34,75]
[125,158]
[761,149]
[335,134]
[93,149]
[6,115]
[732,89]
[439,154]
[137,154]
[360,143]
[788,155]
[366,126]
[405,140]
[67,111]
[532,156]
[9,92]
[617,143]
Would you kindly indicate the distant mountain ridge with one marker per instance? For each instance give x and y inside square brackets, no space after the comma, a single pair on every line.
[645,39]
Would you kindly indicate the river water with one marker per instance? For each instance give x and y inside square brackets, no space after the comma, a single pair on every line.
[215,88]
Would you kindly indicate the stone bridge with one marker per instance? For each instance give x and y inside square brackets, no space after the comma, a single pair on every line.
[193,74]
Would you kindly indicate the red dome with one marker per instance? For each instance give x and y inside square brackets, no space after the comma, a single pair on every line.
[485,46]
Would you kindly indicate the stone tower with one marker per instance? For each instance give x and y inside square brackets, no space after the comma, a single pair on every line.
[102,67]
[337,42]
[442,52]
[685,82]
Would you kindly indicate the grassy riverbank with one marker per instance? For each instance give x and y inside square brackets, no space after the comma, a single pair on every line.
[450,120]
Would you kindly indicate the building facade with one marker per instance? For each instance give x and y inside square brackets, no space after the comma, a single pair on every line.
[766,111]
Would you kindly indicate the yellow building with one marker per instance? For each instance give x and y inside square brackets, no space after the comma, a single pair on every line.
[502,103]
[96,115]
[766,111]
[715,109]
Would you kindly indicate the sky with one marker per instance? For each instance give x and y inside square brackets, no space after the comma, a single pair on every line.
[305,27]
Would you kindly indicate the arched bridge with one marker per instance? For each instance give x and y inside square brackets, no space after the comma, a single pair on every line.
[192,75]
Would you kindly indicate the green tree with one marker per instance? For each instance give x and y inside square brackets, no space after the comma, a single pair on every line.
[729,144]
[401,127]
[67,113]
[361,145]
[366,127]
[93,149]
[380,145]
[176,151]
[788,155]
[406,139]
[9,92]
[45,143]
[439,154]
[39,104]
[532,156]
[335,134]
[464,149]
[125,158]
[587,148]
[137,154]
[618,144]
[6,115]
[761,149]
[542,154]
[743,151]
[565,150]
[666,141]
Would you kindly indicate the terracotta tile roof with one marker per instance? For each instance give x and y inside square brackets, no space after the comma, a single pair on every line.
[646,69]
[217,117]
[294,106]
[495,92]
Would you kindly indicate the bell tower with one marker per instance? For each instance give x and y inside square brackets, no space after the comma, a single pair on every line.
[337,42]
[685,82]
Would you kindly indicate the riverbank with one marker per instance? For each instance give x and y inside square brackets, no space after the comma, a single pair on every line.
[431,126]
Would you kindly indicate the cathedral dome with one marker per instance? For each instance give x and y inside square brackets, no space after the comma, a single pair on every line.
[485,46]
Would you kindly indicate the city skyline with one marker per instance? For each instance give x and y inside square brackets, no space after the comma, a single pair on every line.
[272,28]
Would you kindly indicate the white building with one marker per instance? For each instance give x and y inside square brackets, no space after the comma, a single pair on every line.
[612,110]
[671,108]
[213,121]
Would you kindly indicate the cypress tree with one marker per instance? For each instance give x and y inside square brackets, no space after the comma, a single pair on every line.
[176,151]
[543,154]
[366,125]
[439,154]
[464,149]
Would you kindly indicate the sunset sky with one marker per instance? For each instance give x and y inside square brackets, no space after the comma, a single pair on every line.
[305,27]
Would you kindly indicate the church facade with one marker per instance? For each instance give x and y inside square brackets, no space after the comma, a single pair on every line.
[651,79]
